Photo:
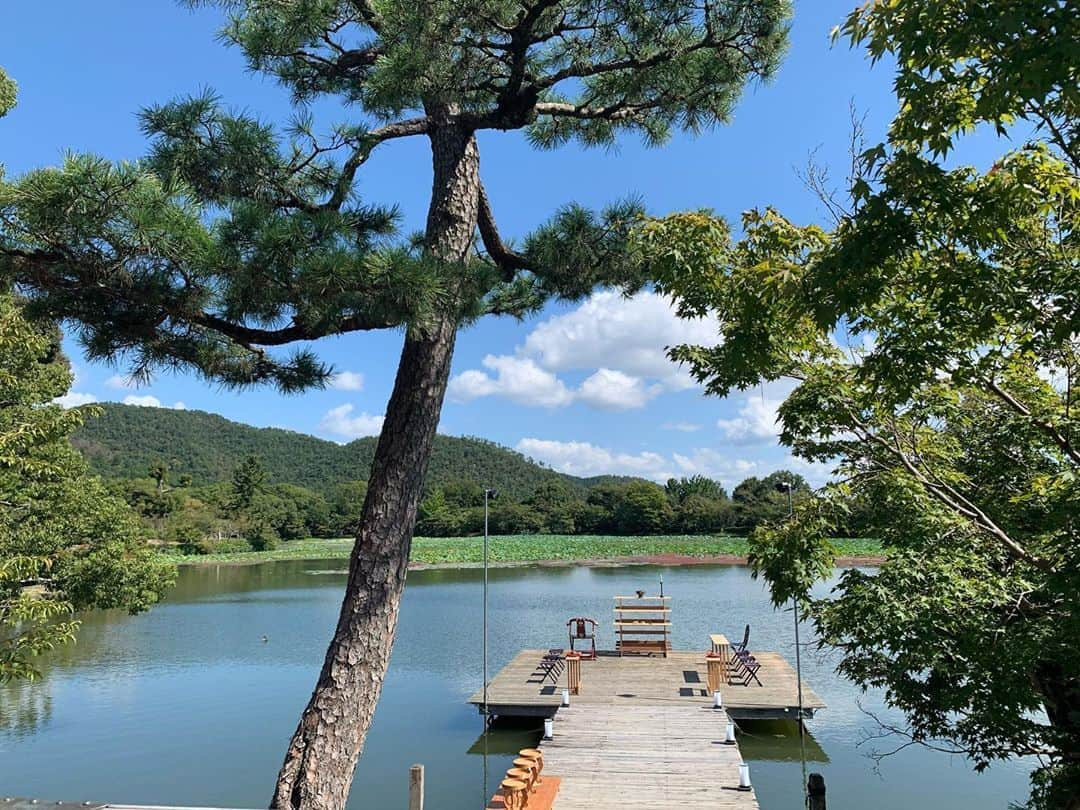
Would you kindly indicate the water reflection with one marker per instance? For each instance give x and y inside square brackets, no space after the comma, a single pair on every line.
[191,688]
[23,711]
[771,741]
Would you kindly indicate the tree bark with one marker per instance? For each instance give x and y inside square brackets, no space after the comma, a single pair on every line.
[322,756]
[1060,691]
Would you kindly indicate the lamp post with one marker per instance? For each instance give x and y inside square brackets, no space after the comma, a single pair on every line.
[489,494]
[787,486]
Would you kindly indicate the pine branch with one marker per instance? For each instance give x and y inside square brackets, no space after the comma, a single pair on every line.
[507,260]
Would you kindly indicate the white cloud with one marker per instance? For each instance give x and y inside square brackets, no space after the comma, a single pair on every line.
[682,427]
[73,399]
[622,340]
[339,422]
[120,382]
[611,390]
[756,421]
[515,378]
[150,401]
[586,459]
[347,381]
[627,334]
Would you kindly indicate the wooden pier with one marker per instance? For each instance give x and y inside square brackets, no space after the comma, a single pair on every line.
[520,689]
[646,756]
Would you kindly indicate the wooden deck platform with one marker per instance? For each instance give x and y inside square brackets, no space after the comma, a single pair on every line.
[654,755]
[520,690]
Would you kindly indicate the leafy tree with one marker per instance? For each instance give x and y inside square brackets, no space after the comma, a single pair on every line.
[262,519]
[159,471]
[558,505]
[760,500]
[248,482]
[679,489]
[461,494]
[644,509]
[346,503]
[698,514]
[934,335]
[136,257]
[436,518]
[514,518]
[66,544]
[7,93]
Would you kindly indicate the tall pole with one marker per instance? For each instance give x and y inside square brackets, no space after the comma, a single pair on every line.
[485,608]
[798,662]
[798,647]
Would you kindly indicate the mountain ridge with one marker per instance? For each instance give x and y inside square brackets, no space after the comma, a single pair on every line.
[126,439]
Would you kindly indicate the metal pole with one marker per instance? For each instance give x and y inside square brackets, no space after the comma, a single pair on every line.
[798,662]
[485,607]
[798,648]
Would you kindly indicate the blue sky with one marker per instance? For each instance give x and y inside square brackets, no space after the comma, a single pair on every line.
[584,388]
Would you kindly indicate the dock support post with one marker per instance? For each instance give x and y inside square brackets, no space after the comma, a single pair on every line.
[416,787]
[815,792]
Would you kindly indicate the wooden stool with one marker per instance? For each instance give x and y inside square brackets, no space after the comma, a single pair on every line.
[514,796]
[522,775]
[528,767]
[537,756]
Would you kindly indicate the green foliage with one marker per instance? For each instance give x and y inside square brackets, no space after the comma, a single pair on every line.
[201,449]
[699,514]
[122,441]
[66,544]
[679,489]
[934,334]
[248,482]
[960,64]
[234,237]
[8,92]
[511,549]
[643,509]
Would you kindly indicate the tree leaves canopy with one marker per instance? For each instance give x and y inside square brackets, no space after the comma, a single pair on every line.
[934,334]
[65,543]
[234,238]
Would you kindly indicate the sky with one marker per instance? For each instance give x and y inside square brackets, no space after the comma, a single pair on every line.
[584,388]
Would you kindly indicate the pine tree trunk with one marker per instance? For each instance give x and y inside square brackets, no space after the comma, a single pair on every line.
[319,765]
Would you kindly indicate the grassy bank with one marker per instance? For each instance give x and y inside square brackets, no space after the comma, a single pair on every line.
[523,548]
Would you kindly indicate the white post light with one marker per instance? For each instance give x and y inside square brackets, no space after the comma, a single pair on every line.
[744,777]
[565,697]
[549,728]
[717,700]
[730,738]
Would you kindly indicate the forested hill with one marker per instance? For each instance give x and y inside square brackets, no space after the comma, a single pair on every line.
[126,439]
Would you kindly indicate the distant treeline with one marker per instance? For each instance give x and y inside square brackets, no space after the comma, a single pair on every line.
[696,505]
[248,512]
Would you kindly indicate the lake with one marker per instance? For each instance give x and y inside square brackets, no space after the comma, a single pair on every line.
[188,705]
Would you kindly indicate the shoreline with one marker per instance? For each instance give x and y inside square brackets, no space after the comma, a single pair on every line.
[671,560]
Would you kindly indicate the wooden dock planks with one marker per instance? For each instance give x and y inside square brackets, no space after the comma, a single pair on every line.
[517,689]
[635,755]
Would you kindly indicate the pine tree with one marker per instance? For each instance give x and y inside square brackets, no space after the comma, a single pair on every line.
[126,253]
[248,481]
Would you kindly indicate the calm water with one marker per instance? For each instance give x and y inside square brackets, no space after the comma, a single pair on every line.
[187,705]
